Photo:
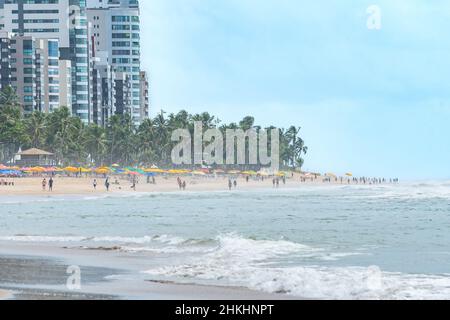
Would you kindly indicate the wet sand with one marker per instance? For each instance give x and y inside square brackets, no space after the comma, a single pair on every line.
[38,272]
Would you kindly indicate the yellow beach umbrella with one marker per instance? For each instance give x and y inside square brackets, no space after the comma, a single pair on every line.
[102,170]
[155,170]
[37,169]
[175,171]
[331,175]
[71,169]
[85,170]
[349,174]
[198,173]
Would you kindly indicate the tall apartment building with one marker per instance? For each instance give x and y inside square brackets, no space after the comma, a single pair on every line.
[35,72]
[5,59]
[64,20]
[144,100]
[115,28]
[103,89]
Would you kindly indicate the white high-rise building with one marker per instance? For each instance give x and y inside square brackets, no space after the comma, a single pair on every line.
[65,21]
[115,28]
[32,68]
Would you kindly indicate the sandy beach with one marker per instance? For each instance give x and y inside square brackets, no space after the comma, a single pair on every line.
[82,186]
[4,294]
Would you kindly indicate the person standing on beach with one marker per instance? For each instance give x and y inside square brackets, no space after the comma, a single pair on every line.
[50,184]
[95,184]
[235,184]
[184,185]
[133,185]
[107,184]
[230,184]
[44,184]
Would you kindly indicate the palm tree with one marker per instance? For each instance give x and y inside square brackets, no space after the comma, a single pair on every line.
[296,147]
[8,97]
[36,129]
[96,143]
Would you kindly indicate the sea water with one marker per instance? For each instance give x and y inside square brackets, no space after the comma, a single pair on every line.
[332,242]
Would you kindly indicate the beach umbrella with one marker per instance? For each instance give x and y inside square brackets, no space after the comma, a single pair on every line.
[102,170]
[115,165]
[71,169]
[250,173]
[85,170]
[154,170]
[133,173]
[3,167]
[198,173]
[176,171]
[349,174]
[234,172]
[37,169]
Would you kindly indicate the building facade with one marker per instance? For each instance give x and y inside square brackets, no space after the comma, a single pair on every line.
[116,29]
[83,54]
[5,59]
[144,91]
[64,20]
[32,68]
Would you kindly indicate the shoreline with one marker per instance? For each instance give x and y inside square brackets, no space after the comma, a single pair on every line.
[33,271]
[84,186]
[5,295]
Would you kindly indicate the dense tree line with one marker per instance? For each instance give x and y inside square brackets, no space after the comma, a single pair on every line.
[120,141]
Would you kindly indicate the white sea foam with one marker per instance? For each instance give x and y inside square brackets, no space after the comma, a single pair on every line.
[246,262]
[163,239]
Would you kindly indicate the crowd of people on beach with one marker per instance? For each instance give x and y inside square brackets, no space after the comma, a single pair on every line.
[48,182]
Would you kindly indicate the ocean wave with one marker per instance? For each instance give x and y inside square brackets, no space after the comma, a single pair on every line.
[250,263]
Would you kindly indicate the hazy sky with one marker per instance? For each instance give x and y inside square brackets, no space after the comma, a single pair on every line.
[374,102]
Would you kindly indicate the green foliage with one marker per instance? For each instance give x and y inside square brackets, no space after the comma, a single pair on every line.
[120,142]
